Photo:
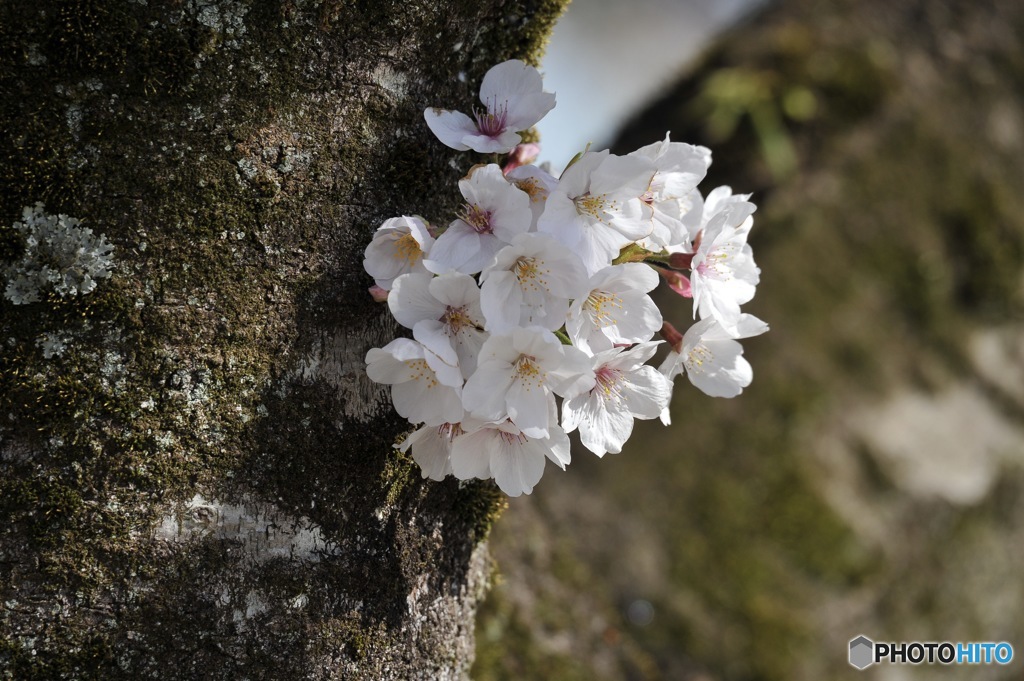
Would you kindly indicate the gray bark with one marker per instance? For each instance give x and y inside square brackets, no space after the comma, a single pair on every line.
[202,483]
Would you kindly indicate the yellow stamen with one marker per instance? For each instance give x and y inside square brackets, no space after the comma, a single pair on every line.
[529,273]
[420,371]
[602,307]
[477,218]
[595,206]
[695,360]
[456,318]
[408,249]
[532,188]
[529,373]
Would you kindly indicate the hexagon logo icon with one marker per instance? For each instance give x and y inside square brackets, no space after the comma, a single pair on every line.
[862,652]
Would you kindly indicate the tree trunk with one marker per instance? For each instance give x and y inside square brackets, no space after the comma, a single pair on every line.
[198,479]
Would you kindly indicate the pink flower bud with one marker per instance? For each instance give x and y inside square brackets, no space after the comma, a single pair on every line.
[522,155]
[378,294]
[678,282]
[672,336]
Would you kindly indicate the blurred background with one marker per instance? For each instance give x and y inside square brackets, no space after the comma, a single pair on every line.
[871,479]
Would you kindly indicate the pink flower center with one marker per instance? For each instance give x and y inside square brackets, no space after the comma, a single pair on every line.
[608,380]
[455,319]
[513,439]
[494,121]
[477,218]
[450,430]
[714,266]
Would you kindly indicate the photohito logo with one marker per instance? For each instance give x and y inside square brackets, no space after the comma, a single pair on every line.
[864,652]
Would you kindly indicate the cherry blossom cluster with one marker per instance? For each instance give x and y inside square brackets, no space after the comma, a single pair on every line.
[530,311]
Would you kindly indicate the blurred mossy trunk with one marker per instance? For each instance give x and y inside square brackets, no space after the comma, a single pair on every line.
[202,484]
[871,479]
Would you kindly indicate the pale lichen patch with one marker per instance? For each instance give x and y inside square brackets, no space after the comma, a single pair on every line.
[224,15]
[255,605]
[60,255]
[264,531]
[392,82]
[338,359]
[34,56]
[53,344]
[14,451]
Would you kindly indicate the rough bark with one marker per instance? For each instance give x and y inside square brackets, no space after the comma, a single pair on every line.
[202,484]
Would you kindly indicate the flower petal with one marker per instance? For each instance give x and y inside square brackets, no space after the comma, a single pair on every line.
[604,431]
[431,450]
[517,465]
[455,250]
[410,300]
[471,456]
[485,144]
[484,393]
[451,127]
[648,392]
[440,355]
[528,408]
[516,88]
[424,400]
[501,299]
[558,449]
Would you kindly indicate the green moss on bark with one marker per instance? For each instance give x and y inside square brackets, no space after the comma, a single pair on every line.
[239,156]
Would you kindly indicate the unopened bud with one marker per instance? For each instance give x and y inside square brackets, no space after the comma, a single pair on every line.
[680,261]
[378,294]
[672,337]
[678,282]
[521,155]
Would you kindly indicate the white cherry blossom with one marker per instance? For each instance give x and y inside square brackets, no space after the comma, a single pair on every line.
[712,358]
[518,374]
[597,209]
[443,312]
[615,309]
[723,274]
[537,183]
[719,199]
[514,100]
[672,193]
[495,212]
[530,256]
[503,452]
[398,247]
[431,448]
[676,223]
[625,389]
[680,167]
[418,392]
[530,283]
